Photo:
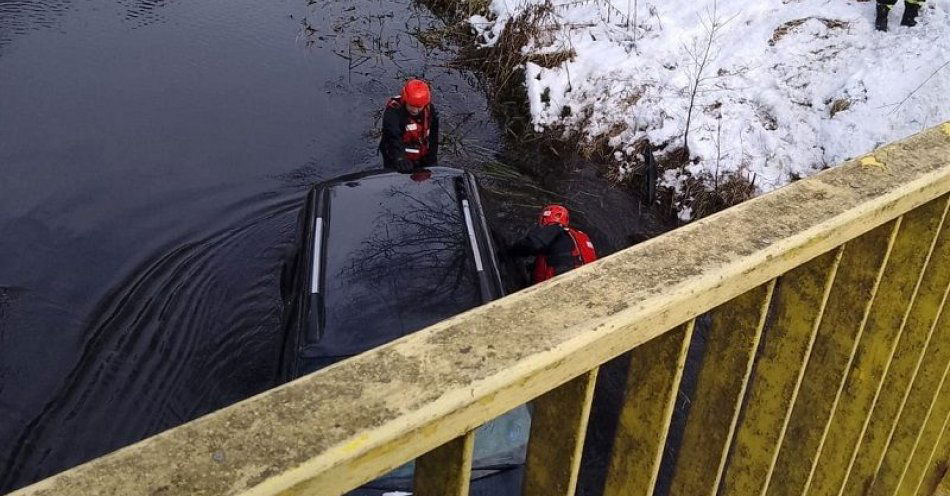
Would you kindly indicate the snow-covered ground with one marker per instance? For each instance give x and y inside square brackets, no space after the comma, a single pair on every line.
[789,86]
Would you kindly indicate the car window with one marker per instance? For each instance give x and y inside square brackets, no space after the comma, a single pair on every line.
[397,259]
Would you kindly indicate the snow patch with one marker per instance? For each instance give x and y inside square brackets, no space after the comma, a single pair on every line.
[787,89]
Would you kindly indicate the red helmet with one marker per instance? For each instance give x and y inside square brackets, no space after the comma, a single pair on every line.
[416,93]
[554,214]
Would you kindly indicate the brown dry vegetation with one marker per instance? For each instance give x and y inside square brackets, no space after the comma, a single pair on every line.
[783,30]
[839,105]
[727,190]
[502,68]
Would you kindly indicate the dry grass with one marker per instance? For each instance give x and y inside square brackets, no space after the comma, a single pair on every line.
[630,169]
[706,195]
[839,105]
[551,60]
[506,59]
[458,10]
[500,67]
[541,153]
[787,27]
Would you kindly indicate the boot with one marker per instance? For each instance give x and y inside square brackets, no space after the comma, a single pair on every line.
[910,14]
[880,22]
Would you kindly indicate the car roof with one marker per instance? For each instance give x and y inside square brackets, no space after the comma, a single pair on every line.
[389,175]
[397,257]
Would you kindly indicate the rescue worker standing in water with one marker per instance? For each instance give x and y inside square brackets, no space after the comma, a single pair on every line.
[410,129]
[556,246]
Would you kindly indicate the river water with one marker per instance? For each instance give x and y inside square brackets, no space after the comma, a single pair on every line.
[154,156]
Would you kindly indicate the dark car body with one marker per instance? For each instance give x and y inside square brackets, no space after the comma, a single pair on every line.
[387,254]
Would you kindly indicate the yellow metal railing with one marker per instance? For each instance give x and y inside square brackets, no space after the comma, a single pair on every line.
[824,370]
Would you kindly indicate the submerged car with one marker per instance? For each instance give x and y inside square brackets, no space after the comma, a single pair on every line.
[387,254]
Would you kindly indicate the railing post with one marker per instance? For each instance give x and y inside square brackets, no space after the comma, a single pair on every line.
[895,296]
[924,402]
[905,364]
[800,299]
[656,368]
[842,325]
[920,466]
[724,375]
[446,470]
[558,427]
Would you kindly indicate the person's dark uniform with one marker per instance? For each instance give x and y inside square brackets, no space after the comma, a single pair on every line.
[552,241]
[911,10]
[410,141]
[556,246]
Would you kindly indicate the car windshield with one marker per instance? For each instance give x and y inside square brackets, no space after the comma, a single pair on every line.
[397,260]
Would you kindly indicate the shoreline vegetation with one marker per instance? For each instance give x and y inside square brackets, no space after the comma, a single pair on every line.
[503,65]
[735,99]
[539,165]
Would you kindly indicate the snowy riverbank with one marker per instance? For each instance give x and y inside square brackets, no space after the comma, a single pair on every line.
[778,89]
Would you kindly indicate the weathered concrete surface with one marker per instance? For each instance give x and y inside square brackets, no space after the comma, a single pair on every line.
[937,468]
[907,360]
[333,430]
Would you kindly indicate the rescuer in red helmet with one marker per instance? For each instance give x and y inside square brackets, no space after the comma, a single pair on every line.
[556,246]
[410,129]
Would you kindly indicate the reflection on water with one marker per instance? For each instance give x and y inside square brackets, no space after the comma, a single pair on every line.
[155,155]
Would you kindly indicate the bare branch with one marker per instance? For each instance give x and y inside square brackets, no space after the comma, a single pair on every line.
[919,86]
[703,52]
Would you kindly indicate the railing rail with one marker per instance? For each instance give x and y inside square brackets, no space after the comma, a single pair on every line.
[824,370]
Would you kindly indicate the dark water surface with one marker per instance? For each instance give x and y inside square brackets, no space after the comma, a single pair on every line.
[153,159]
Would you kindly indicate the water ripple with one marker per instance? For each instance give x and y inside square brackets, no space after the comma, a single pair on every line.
[182,333]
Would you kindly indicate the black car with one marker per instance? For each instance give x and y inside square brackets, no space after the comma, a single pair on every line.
[387,254]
